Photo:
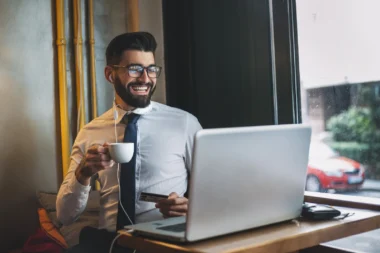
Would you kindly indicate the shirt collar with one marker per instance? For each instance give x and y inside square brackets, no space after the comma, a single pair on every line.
[141,111]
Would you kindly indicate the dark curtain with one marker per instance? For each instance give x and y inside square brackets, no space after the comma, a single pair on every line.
[218,61]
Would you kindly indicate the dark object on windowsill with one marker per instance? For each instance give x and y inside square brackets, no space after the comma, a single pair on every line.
[321,212]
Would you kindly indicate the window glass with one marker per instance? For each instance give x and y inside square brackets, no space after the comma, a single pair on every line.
[339,57]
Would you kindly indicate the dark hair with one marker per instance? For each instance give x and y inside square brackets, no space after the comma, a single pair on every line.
[142,41]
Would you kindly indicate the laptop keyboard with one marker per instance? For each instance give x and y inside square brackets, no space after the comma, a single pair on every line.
[180,227]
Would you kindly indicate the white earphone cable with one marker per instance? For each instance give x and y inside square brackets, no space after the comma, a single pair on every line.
[121,204]
[118,169]
[113,242]
[115,117]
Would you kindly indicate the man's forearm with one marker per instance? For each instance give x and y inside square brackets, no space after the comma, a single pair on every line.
[72,198]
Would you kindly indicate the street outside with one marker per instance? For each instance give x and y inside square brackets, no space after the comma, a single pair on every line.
[370,188]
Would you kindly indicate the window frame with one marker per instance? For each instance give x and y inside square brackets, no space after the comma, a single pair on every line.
[288,82]
[287,66]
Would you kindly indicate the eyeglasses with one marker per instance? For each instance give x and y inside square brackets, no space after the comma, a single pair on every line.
[136,70]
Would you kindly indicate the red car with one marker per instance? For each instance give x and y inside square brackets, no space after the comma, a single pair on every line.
[328,170]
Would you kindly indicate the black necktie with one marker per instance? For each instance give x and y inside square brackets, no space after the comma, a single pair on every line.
[127,185]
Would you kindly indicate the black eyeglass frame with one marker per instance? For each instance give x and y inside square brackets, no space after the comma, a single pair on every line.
[127,67]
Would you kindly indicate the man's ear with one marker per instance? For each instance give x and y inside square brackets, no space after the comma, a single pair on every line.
[108,73]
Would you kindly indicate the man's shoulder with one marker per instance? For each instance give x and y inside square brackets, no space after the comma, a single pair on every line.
[100,120]
[176,112]
[185,119]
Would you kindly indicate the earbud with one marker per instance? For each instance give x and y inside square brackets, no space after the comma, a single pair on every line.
[110,77]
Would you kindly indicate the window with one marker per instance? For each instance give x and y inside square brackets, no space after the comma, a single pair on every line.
[339,61]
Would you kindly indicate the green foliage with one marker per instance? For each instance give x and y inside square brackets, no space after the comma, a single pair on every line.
[368,97]
[353,125]
[356,132]
[356,151]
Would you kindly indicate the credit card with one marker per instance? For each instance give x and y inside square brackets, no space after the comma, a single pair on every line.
[152,197]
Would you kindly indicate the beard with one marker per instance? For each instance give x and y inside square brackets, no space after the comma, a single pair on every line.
[137,101]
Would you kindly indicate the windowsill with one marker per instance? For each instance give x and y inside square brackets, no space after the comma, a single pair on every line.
[343,200]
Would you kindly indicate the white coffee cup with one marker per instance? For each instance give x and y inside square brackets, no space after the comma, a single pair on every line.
[121,152]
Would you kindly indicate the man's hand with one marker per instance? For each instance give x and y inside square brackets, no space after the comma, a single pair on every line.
[97,158]
[173,206]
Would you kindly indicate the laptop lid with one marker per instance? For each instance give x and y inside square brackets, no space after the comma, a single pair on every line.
[246,177]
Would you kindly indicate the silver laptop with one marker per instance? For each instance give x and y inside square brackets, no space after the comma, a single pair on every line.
[241,178]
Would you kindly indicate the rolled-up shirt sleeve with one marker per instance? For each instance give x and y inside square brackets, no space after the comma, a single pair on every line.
[72,196]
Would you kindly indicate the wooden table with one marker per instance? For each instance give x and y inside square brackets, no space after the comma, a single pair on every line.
[283,237]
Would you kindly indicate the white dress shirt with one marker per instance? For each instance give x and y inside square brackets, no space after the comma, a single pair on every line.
[165,138]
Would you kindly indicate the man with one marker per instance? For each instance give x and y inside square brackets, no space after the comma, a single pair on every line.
[164,140]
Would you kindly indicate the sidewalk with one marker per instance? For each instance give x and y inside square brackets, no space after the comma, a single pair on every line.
[371,185]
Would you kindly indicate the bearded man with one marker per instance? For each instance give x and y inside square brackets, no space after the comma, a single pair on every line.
[161,163]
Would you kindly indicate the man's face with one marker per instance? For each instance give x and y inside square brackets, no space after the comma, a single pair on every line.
[135,91]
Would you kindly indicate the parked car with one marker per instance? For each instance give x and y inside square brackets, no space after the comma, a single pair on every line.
[328,170]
